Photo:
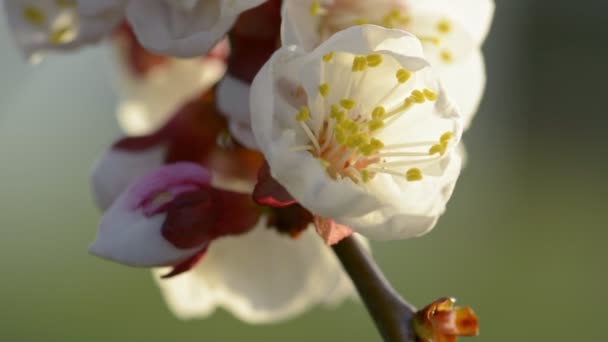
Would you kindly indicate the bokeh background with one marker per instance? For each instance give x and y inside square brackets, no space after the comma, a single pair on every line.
[524,241]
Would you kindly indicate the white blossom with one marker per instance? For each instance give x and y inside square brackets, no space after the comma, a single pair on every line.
[60,24]
[184,28]
[359,131]
[147,101]
[451,33]
[234,273]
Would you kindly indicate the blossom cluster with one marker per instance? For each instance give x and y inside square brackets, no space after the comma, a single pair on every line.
[259,132]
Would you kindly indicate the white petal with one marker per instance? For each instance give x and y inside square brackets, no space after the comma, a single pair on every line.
[475,15]
[465,82]
[299,27]
[116,168]
[230,92]
[260,277]
[149,101]
[170,29]
[48,25]
[433,195]
[388,203]
[130,230]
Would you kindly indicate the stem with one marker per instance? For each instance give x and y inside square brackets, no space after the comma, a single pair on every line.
[391,313]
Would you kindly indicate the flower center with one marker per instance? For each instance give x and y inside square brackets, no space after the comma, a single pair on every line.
[345,132]
[62,28]
[387,13]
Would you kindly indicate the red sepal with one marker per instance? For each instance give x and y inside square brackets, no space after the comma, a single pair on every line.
[186,265]
[269,192]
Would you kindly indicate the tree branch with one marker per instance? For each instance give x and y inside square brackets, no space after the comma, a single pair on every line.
[391,313]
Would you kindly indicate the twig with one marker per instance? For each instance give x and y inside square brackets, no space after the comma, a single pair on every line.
[391,313]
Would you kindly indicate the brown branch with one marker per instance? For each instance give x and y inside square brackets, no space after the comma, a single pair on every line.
[391,313]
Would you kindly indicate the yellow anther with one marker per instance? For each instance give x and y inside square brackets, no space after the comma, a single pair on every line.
[340,135]
[444,26]
[376,144]
[357,140]
[378,112]
[336,113]
[403,75]
[324,89]
[375,125]
[361,21]
[347,104]
[393,18]
[359,63]
[446,137]
[374,60]
[350,126]
[62,35]
[418,96]
[33,15]
[429,94]
[372,147]
[446,56]
[315,8]
[438,149]
[413,175]
[328,57]
[430,39]
[303,114]
[65,3]
[365,176]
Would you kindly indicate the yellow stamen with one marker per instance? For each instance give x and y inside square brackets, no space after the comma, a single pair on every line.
[315,8]
[62,35]
[429,94]
[374,60]
[303,114]
[444,26]
[446,137]
[33,15]
[328,57]
[347,104]
[324,89]
[375,125]
[403,75]
[446,56]
[413,175]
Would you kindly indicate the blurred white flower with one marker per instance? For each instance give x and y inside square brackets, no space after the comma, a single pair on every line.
[184,28]
[152,87]
[261,276]
[451,33]
[359,131]
[60,24]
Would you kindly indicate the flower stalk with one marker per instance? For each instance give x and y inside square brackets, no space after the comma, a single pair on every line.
[390,312]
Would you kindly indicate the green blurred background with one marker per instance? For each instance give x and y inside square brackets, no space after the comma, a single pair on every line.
[523,242]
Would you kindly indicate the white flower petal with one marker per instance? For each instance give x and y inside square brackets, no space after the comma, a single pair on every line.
[116,168]
[475,15]
[130,230]
[150,100]
[184,30]
[411,164]
[465,81]
[57,25]
[260,277]
[230,92]
[430,198]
